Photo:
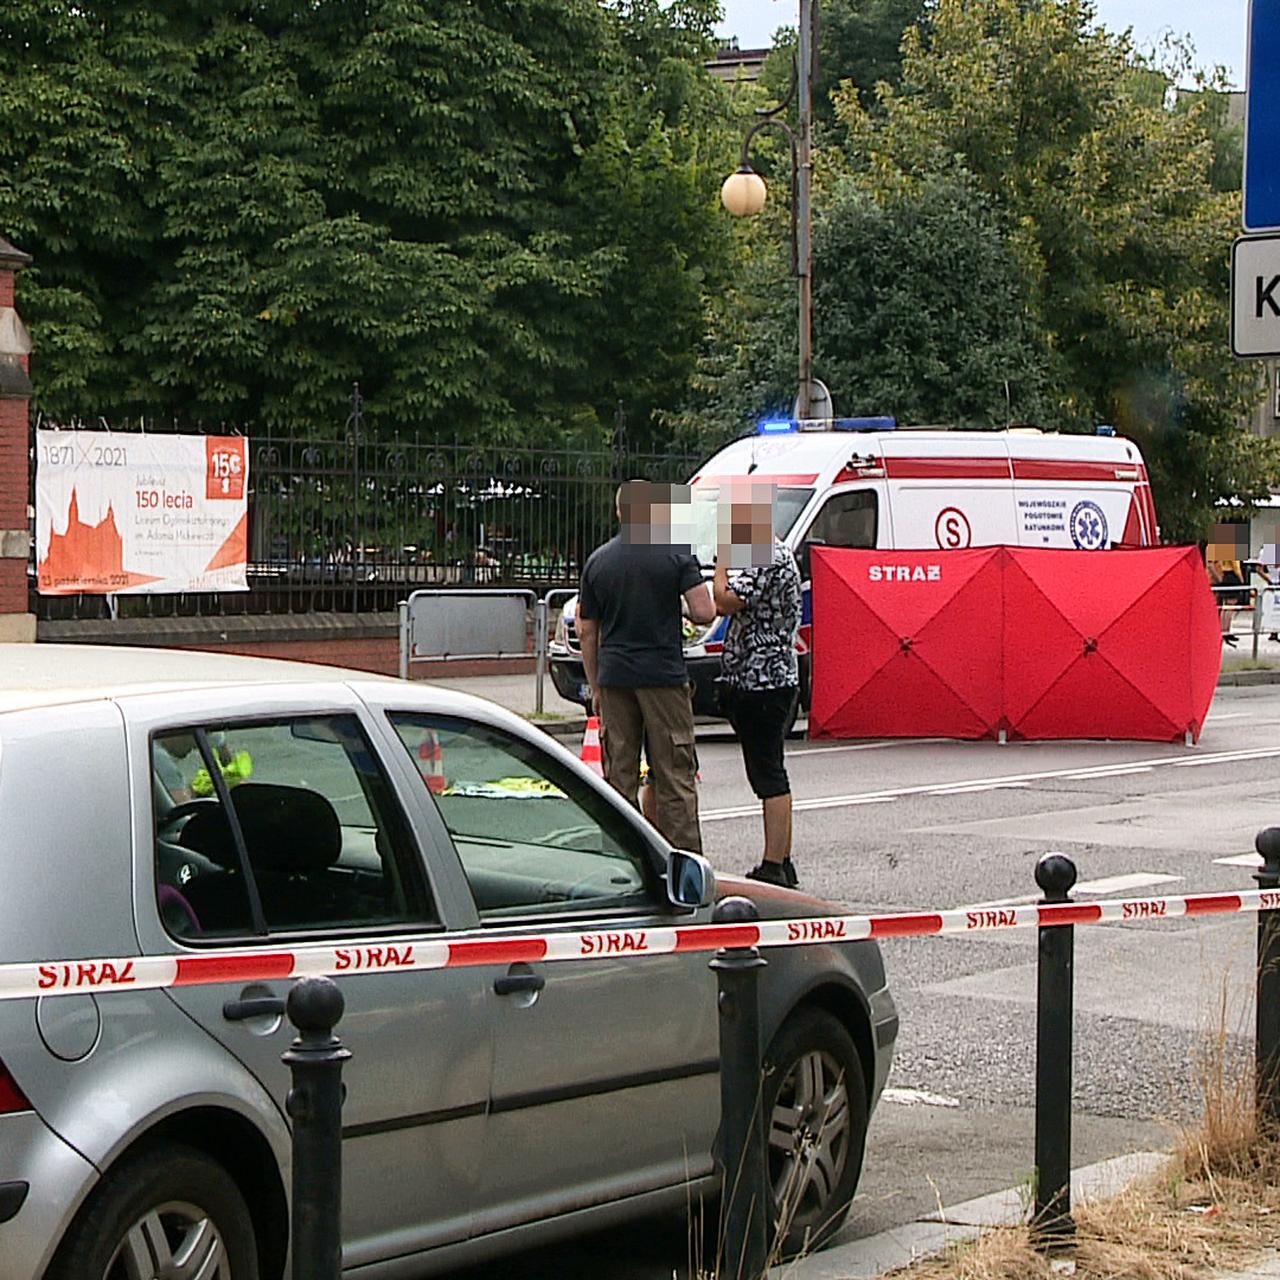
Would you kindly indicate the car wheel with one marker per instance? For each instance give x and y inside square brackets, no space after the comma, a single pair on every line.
[815,1107]
[171,1213]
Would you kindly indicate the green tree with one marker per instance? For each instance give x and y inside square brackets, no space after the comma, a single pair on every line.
[919,311]
[236,210]
[1113,209]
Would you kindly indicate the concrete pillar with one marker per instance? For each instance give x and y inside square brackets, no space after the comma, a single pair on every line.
[16,623]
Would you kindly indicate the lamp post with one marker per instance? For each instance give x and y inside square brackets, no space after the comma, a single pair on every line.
[744,192]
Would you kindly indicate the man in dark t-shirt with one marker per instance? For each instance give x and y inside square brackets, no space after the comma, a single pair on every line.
[629,624]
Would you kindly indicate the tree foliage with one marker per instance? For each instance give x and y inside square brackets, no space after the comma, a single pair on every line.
[1112,198]
[237,210]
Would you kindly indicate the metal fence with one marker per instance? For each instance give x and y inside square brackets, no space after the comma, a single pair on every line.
[353,525]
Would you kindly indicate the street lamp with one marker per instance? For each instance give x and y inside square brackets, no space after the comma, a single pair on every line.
[743,195]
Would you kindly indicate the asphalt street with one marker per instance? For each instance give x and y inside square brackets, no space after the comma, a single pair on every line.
[890,826]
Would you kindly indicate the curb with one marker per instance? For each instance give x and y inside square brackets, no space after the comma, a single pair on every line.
[1230,679]
[890,1250]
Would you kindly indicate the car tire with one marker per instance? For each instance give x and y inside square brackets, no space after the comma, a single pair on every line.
[151,1209]
[812,1071]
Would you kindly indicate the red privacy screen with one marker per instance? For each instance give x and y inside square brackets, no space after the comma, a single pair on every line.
[1035,643]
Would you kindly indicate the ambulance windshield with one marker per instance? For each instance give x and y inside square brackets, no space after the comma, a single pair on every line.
[788,502]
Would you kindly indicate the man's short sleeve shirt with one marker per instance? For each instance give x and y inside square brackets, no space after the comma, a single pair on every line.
[633,590]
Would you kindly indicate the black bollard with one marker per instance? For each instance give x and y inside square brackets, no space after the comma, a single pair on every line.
[746,1200]
[314,1105]
[1267,1033]
[1052,1223]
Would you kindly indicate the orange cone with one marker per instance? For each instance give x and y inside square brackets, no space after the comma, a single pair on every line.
[591,755]
[431,763]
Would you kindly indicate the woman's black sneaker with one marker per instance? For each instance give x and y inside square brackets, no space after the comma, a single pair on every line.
[789,870]
[772,873]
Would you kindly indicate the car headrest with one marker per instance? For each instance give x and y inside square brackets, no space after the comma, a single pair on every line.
[286,829]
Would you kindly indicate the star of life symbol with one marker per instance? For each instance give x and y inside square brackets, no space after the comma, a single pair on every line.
[1088,526]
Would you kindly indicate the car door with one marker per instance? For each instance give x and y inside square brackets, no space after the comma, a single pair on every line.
[604,1079]
[325,855]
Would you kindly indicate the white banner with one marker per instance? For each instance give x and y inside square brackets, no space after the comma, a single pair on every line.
[119,513]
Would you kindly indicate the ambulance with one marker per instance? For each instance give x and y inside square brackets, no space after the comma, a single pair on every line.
[864,482]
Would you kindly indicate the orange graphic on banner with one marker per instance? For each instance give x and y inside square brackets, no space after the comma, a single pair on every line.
[88,557]
[225,468]
[235,550]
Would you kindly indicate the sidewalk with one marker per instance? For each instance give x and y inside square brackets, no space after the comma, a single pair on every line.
[891,1250]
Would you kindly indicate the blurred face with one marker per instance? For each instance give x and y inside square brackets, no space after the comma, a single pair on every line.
[746,526]
[1229,542]
[656,514]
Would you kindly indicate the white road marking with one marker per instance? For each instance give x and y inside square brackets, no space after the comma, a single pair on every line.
[972,788]
[1229,715]
[1048,775]
[918,1098]
[1240,860]
[1089,888]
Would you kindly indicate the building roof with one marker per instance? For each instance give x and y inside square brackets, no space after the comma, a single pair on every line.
[734,64]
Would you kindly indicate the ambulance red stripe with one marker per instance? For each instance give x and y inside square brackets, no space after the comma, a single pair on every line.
[947,468]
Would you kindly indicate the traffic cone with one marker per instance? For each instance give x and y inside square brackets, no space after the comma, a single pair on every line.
[591,755]
[431,763]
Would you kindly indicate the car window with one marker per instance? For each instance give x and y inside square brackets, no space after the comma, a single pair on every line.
[846,520]
[316,840]
[532,836]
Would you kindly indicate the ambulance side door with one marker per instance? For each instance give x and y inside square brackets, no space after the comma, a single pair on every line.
[851,516]
[950,492]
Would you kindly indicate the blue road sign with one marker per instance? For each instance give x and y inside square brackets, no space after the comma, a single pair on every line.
[1262,127]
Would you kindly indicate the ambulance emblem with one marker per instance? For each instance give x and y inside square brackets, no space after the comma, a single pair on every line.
[1088,526]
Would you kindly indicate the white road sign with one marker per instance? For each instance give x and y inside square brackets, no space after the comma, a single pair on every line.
[1255,296]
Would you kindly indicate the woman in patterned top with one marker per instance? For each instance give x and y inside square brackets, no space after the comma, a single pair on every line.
[757,585]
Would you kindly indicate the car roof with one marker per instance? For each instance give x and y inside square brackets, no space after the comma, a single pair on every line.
[34,675]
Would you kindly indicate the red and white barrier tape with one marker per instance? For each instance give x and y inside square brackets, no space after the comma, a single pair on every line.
[141,973]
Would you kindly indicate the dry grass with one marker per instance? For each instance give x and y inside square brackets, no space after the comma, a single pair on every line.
[1214,1206]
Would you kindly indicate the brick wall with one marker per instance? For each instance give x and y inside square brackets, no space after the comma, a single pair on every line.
[369,642]
[13,463]
[15,388]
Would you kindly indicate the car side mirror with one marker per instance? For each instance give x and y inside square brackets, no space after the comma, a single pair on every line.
[690,879]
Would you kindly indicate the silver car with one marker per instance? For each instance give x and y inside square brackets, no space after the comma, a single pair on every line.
[175,805]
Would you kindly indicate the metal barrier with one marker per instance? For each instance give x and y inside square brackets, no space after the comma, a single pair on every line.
[483,624]
[542,640]
[487,614]
[1263,605]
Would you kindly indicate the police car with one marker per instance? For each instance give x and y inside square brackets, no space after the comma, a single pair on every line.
[865,482]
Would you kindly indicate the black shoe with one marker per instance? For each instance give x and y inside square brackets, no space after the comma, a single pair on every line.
[789,870]
[771,873]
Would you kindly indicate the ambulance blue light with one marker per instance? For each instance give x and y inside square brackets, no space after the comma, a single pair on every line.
[775,426]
